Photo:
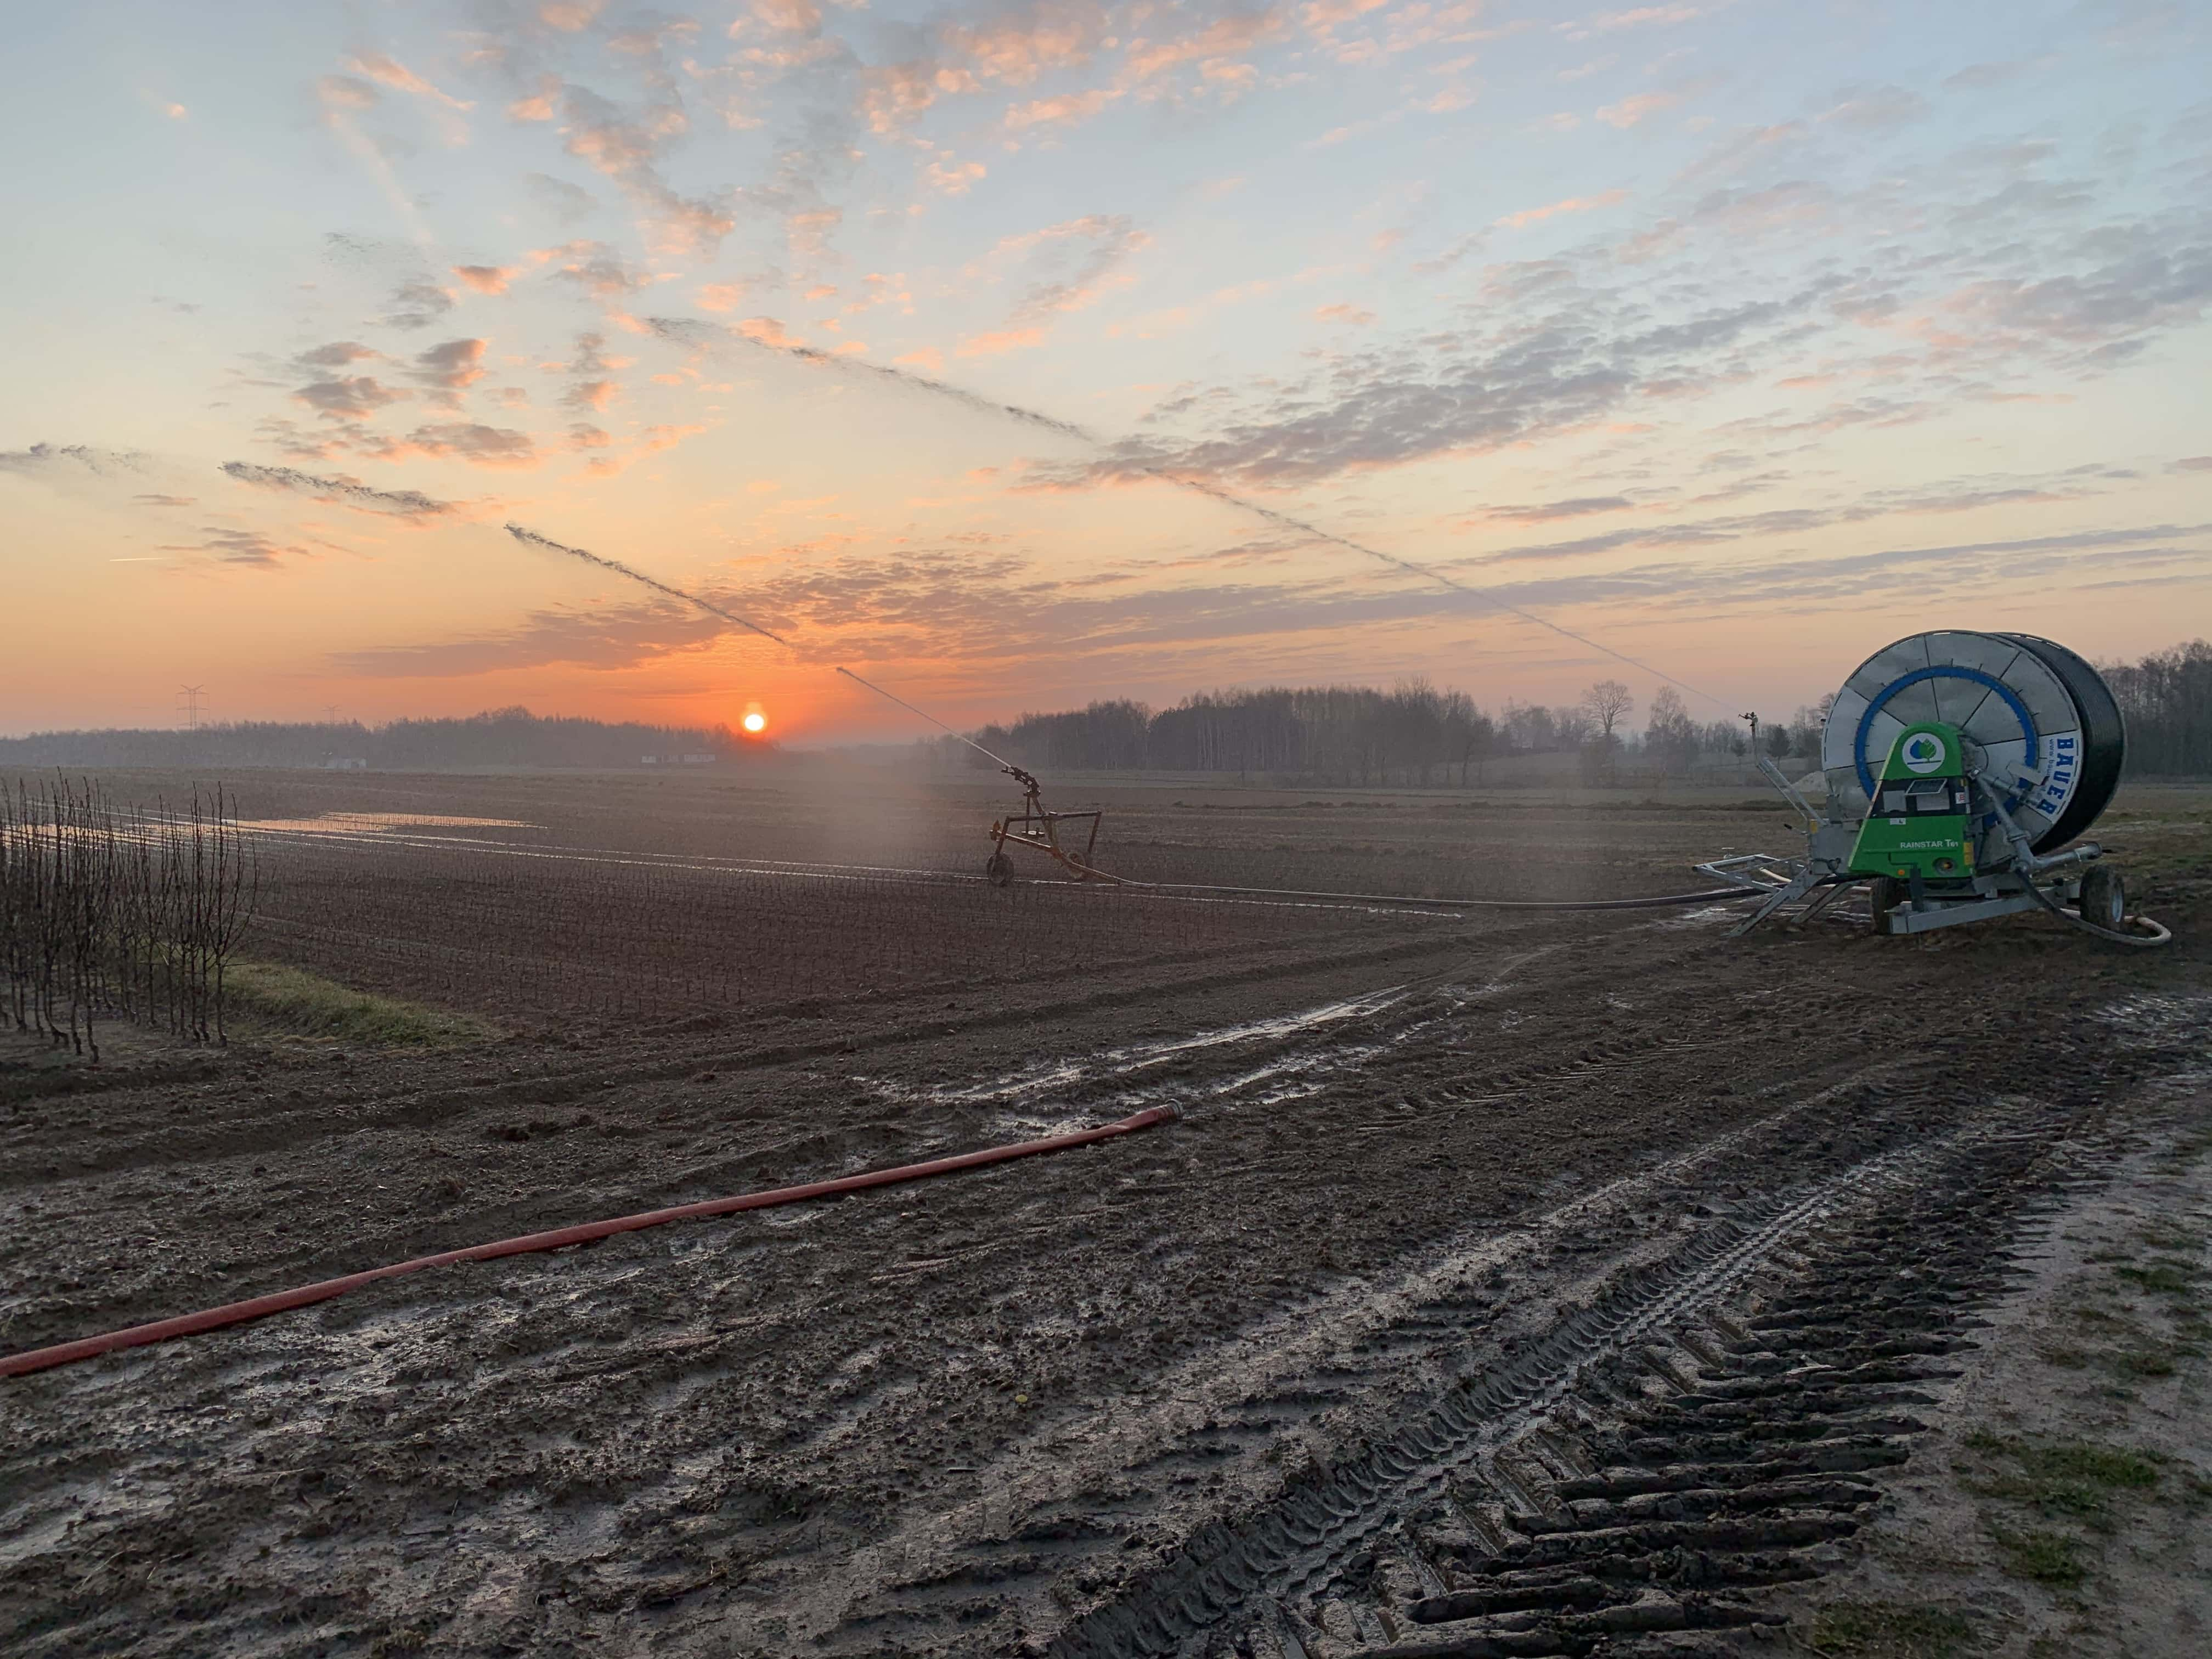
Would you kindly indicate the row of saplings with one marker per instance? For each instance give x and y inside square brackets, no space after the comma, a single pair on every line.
[115,912]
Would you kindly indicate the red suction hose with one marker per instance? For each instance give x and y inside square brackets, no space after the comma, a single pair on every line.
[238,1313]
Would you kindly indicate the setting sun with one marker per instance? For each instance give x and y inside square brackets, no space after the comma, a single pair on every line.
[755,721]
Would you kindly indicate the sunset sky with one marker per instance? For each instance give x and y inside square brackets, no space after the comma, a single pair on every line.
[1736,338]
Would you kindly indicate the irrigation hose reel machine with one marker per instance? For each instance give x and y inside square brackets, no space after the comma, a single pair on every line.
[1961,771]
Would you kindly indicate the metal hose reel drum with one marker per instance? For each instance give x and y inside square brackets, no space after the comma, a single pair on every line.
[1962,769]
[2048,733]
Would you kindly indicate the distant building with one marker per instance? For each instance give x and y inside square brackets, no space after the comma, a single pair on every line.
[345,764]
[698,760]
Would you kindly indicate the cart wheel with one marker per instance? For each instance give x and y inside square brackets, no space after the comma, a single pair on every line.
[2103,898]
[1000,869]
[1888,893]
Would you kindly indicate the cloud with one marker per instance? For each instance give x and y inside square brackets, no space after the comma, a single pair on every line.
[460,441]
[1348,314]
[566,202]
[1073,263]
[2193,463]
[1638,17]
[451,368]
[389,72]
[597,133]
[400,78]
[1638,107]
[347,397]
[596,267]
[1571,204]
[1876,109]
[1002,341]
[593,387]
[486,279]
[1544,513]
[343,92]
[1066,109]
[417,304]
[398,503]
[721,296]
[337,355]
[602,637]
[79,460]
[569,17]
[244,548]
[951,178]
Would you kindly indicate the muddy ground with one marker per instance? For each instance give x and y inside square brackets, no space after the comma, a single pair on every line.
[1032,1407]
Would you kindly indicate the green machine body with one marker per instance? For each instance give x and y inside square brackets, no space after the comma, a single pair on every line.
[1921,821]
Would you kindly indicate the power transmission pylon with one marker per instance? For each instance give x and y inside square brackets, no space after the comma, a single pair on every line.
[190,696]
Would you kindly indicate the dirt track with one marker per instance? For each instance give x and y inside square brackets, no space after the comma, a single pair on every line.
[976,1416]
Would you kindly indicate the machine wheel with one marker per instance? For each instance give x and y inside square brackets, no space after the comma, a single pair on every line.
[1000,869]
[2103,898]
[1888,893]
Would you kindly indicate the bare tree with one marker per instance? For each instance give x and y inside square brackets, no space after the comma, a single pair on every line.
[1607,704]
[1672,738]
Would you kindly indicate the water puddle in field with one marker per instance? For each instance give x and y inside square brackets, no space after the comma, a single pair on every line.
[1113,1065]
[356,824]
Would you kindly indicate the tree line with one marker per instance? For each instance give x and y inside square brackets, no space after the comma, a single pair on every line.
[2167,700]
[498,737]
[1414,734]
[110,912]
[1419,734]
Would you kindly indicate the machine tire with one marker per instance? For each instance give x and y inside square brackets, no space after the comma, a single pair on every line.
[2104,901]
[1889,892]
[1000,869]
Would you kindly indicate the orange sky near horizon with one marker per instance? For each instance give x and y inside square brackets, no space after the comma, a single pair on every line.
[1043,365]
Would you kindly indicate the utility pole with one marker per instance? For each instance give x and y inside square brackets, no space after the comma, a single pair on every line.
[190,697]
[330,713]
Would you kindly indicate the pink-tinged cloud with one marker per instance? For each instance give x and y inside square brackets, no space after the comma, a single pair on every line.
[486,279]
[337,355]
[767,330]
[992,345]
[1068,109]
[569,17]
[721,296]
[593,266]
[377,67]
[949,178]
[347,396]
[1643,105]
[929,358]
[461,441]
[791,16]
[808,231]
[246,549]
[1015,49]
[539,105]
[1571,204]
[652,442]
[1226,37]
[627,152]
[343,92]
[455,364]
[1348,314]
